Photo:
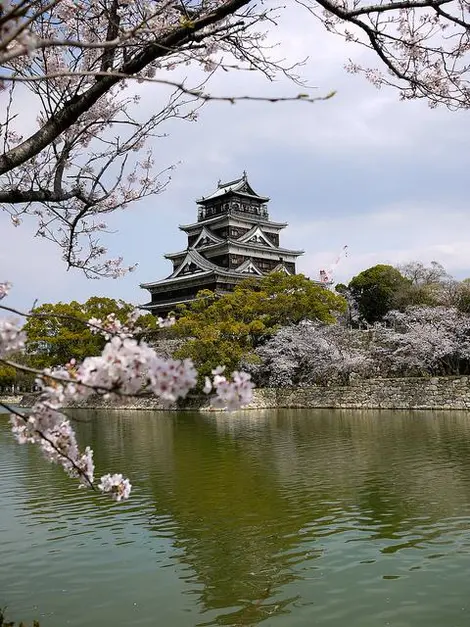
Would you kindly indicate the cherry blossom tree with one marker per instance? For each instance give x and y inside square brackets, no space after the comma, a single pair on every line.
[423,340]
[89,155]
[420,341]
[310,353]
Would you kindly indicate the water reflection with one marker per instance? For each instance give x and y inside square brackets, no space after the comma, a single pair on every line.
[297,517]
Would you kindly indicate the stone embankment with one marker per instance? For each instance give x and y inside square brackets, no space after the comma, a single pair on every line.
[406,393]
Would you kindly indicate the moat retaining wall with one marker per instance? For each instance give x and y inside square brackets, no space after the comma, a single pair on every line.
[409,393]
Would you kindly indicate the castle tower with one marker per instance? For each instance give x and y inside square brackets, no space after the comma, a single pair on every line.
[232,239]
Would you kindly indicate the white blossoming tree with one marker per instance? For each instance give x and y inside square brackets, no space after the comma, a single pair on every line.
[423,340]
[420,341]
[310,353]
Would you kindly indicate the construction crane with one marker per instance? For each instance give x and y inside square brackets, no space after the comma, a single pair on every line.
[326,276]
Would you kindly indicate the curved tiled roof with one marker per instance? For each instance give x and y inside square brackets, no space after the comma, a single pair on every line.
[239,186]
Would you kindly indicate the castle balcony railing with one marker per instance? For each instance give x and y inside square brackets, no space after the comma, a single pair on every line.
[258,213]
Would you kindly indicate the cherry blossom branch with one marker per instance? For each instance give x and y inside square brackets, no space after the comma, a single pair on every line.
[175,84]
[79,471]
[393,6]
[420,43]
[126,367]
[74,108]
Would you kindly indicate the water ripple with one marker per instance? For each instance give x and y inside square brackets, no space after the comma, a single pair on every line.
[297,518]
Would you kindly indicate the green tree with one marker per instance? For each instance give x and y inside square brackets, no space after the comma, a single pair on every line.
[57,332]
[10,376]
[225,329]
[376,290]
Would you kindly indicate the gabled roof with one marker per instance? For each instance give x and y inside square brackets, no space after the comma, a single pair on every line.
[193,257]
[248,267]
[281,268]
[238,186]
[207,234]
[204,267]
[254,235]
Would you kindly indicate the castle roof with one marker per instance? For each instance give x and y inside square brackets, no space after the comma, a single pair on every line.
[232,240]
[205,268]
[238,243]
[232,218]
[239,186]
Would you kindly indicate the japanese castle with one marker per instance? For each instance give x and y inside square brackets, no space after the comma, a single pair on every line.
[232,239]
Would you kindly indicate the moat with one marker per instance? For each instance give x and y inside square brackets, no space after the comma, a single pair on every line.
[286,518]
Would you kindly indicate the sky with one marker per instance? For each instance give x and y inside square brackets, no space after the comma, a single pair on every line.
[385,177]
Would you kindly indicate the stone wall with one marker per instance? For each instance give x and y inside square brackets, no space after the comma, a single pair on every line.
[409,393]
[406,393]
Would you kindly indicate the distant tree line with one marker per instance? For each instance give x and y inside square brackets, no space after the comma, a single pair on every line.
[383,288]
[412,320]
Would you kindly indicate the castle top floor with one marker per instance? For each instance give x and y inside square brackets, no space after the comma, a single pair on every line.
[233,198]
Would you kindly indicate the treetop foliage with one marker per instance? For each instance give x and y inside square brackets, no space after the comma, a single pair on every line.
[380,289]
[375,291]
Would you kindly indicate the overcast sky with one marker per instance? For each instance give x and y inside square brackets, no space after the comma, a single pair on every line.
[389,179]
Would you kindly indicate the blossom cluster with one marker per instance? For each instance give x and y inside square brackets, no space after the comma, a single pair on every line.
[229,395]
[51,430]
[126,366]
[4,289]
[116,485]
[164,323]
[129,367]
[12,338]
[111,325]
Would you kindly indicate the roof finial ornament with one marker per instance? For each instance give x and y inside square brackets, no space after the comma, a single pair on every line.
[219,182]
[244,175]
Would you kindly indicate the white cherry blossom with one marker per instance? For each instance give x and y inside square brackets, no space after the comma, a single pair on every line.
[116,486]
[12,338]
[4,289]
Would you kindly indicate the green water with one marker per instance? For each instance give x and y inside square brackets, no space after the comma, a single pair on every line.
[288,518]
